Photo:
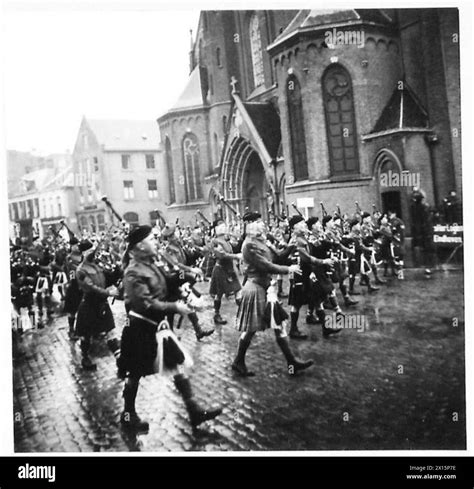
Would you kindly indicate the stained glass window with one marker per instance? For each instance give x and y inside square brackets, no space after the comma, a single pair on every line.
[256,51]
[297,133]
[340,120]
[191,167]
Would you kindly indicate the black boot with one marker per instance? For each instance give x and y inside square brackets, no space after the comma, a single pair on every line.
[129,418]
[379,281]
[72,332]
[197,414]
[348,301]
[371,288]
[310,319]
[218,319]
[294,364]
[295,333]
[281,294]
[327,332]
[238,365]
[198,329]
[86,362]
[114,346]
[351,286]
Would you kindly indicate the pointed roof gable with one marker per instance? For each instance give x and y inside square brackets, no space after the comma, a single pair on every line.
[191,97]
[126,135]
[402,111]
[317,19]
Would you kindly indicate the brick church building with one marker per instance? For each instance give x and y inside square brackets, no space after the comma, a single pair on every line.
[288,108]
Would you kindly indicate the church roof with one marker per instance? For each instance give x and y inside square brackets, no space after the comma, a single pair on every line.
[402,111]
[126,135]
[316,19]
[267,123]
[191,97]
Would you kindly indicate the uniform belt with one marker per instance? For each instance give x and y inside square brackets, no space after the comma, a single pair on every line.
[143,318]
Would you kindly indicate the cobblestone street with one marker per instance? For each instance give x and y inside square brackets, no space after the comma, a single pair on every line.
[397,385]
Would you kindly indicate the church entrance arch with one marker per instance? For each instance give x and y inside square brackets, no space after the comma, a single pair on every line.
[392,198]
[244,181]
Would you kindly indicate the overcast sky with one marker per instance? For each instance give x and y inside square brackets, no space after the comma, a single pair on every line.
[60,64]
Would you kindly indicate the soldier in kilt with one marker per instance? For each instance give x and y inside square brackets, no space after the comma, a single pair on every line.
[176,253]
[73,296]
[251,315]
[148,303]
[224,280]
[94,315]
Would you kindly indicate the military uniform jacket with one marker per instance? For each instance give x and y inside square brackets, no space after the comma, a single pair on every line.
[258,265]
[145,288]
[91,280]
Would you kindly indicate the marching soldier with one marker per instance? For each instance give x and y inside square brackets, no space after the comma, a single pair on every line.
[224,280]
[251,315]
[94,315]
[301,290]
[73,292]
[174,250]
[148,303]
[363,255]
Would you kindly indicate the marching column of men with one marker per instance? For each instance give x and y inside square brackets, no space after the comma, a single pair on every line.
[156,278]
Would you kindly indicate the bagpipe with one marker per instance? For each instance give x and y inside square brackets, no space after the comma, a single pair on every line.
[109,261]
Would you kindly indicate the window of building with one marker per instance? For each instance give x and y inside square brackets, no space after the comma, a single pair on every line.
[297,134]
[340,120]
[37,211]
[128,192]
[89,194]
[101,222]
[224,124]
[60,206]
[51,207]
[256,51]
[191,167]
[211,84]
[169,166]
[83,221]
[152,189]
[125,162]
[218,57]
[131,218]
[96,164]
[92,224]
[150,162]
[153,218]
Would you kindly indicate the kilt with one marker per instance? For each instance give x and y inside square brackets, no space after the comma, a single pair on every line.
[138,348]
[208,265]
[94,316]
[251,311]
[224,282]
[300,293]
[354,265]
[73,297]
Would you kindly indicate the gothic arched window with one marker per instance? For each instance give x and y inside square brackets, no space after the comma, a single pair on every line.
[340,120]
[297,133]
[191,167]
[256,51]
[169,166]
[218,57]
